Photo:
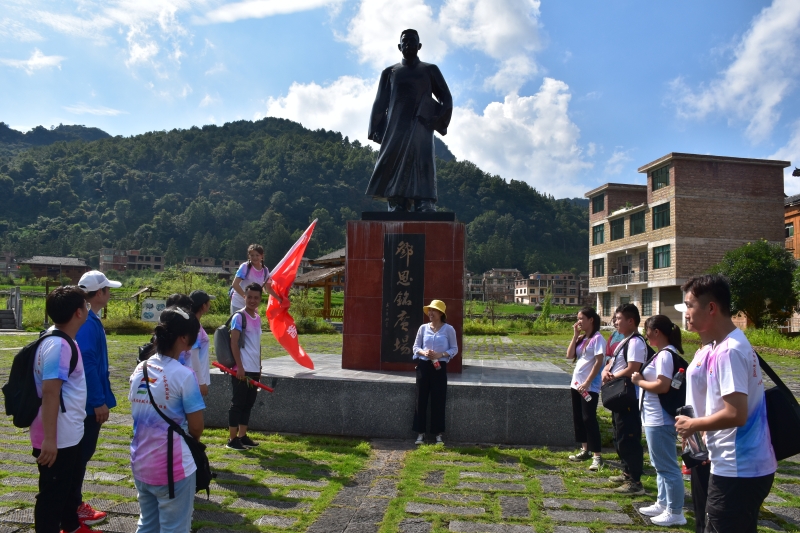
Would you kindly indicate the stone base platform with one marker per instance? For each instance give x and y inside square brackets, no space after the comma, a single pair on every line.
[500,402]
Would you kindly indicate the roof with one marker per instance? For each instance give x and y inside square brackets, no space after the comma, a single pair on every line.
[55,261]
[317,275]
[616,187]
[206,270]
[338,254]
[791,200]
[714,158]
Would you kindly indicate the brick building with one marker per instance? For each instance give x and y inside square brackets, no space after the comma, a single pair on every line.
[8,265]
[111,259]
[791,222]
[566,288]
[45,266]
[498,284]
[645,241]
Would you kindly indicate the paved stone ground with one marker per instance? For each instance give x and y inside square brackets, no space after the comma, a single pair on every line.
[399,489]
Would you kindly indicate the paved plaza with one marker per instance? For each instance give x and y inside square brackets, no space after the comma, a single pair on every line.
[333,485]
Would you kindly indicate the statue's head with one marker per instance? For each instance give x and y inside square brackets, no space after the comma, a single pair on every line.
[409,44]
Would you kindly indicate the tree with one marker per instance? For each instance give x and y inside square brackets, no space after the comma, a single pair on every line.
[171,255]
[761,277]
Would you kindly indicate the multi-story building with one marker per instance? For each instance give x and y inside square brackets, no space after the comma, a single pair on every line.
[498,284]
[583,290]
[196,260]
[792,223]
[645,241]
[473,286]
[565,286]
[111,259]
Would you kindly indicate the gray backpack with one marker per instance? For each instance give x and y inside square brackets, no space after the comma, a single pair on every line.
[222,341]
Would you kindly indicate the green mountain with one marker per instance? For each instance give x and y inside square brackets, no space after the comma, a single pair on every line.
[214,190]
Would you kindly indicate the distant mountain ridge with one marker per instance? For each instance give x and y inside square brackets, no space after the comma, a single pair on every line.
[213,190]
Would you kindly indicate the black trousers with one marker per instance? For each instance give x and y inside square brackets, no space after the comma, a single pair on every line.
[628,441]
[733,503]
[434,383]
[88,445]
[56,505]
[243,400]
[584,420]
[700,477]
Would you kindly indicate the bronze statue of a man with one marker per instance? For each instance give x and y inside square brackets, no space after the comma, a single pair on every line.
[404,117]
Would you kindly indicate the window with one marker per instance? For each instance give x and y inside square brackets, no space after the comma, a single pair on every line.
[606,304]
[598,268]
[647,302]
[572,300]
[598,203]
[597,235]
[661,216]
[617,229]
[790,230]
[661,257]
[624,300]
[637,223]
[660,178]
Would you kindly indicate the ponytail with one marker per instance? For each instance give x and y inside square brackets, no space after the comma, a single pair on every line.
[670,330]
[175,322]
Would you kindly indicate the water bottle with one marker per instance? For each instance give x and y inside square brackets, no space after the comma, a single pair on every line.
[585,394]
[678,378]
[695,442]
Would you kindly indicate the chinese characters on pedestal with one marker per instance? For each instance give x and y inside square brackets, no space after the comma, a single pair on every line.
[403,290]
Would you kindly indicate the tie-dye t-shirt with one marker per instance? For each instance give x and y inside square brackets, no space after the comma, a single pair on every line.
[254,276]
[587,352]
[52,362]
[251,352]
[197,358]
[175,390]
[740,451]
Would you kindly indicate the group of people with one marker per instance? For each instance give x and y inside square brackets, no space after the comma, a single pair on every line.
[723,386]
[75,390]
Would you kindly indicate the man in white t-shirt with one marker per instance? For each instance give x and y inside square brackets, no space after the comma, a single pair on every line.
[57,430]
[628,358]
[734,414]
[247,322]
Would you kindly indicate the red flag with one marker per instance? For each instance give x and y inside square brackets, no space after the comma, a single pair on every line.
[280,321]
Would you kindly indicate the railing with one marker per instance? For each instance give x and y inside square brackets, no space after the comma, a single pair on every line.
[627,279]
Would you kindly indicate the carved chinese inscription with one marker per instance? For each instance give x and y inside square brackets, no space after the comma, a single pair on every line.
[403,290]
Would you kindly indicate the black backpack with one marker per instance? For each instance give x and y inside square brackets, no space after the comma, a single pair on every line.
[673,398]
[650,352]
[21,399]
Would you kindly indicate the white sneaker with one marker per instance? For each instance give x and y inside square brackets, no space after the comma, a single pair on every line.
[653,510]
[597,463]
[668,519]
[420,439]
[439,439]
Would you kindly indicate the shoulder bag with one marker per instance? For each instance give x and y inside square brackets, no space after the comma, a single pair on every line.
[197,448]
[783,415]
[619,394]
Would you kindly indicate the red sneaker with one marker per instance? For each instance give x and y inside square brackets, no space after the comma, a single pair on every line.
[685,471]
[89,516]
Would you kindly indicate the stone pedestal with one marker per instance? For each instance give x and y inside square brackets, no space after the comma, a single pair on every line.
[394,267]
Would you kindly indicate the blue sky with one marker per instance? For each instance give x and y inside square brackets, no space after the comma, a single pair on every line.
[565,94]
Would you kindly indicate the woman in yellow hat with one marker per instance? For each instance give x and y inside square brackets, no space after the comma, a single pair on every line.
[435,345]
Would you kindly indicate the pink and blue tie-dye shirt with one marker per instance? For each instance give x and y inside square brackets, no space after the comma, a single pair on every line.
[740,451]
[52,362]
[177,394]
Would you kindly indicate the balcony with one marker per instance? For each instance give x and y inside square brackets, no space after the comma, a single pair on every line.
[628,279]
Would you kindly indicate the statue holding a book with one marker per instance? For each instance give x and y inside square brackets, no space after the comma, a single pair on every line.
[404,116]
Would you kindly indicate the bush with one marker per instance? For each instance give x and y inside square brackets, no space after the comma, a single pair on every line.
[308,325]
[128,326]
[476,327]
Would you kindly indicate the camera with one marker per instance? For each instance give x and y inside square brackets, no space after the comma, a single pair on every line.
[686,410]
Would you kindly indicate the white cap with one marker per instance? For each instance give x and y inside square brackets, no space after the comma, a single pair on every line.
[94,280]
[681,308]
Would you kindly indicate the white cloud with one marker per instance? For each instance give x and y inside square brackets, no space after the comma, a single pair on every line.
[141,47]
[218,68]
[344,106]
[208,100]
[529,138]
[618,160]
[513,72]
[762,74]
[36,62]
[790,152]
[16,31]
[85,109]
[261,8]
[375,31]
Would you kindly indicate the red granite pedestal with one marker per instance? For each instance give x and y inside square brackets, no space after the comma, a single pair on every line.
[364,304]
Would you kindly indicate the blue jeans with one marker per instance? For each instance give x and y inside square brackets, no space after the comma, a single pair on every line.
[664,458]
[159,513]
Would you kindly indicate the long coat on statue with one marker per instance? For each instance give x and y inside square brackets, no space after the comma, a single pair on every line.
[404,117]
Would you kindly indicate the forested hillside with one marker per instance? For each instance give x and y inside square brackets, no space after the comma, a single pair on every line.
[214,190]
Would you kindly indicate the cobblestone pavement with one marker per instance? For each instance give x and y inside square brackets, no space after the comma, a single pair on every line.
[302,484]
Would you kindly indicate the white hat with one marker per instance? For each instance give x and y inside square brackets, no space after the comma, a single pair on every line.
[94,280]
[681,308]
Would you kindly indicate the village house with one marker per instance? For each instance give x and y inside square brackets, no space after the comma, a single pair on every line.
[645,241]
[45,266]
